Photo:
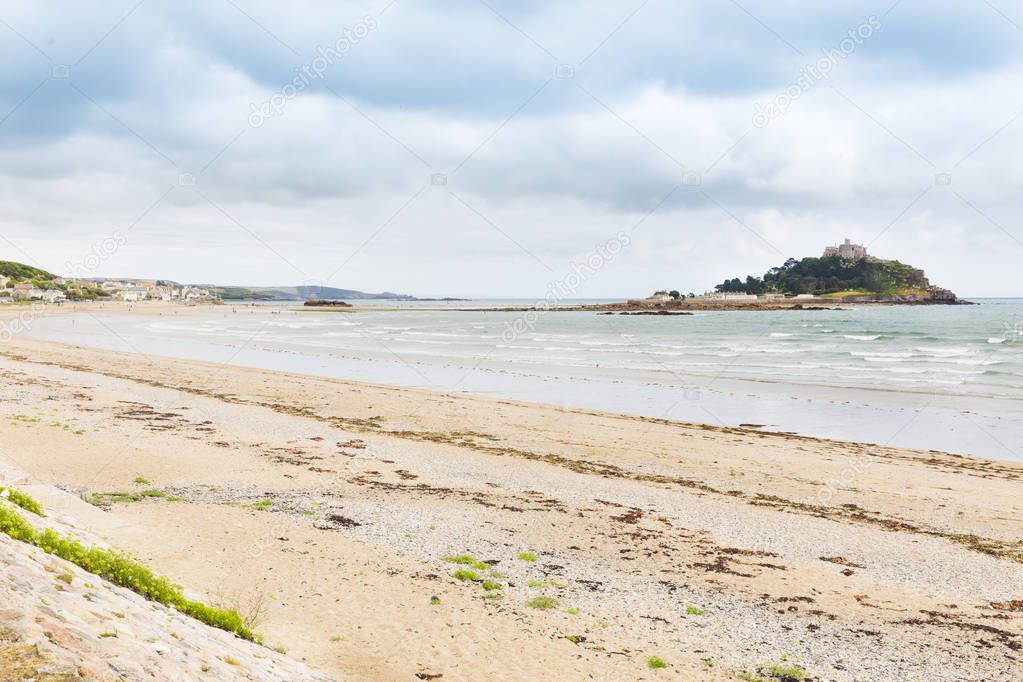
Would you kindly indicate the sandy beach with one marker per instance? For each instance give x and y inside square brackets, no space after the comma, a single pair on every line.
[332,505]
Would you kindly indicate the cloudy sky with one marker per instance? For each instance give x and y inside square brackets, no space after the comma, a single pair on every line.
[494,147]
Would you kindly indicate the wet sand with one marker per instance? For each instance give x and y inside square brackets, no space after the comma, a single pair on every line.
[334,504]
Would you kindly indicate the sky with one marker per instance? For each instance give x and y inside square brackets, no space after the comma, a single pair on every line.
[507,148]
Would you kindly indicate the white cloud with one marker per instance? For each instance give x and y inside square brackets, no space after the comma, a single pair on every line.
[311,185]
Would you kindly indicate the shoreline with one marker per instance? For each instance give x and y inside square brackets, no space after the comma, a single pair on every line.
[971,420]
[338,501]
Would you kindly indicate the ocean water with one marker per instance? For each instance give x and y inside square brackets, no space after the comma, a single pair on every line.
[930,377]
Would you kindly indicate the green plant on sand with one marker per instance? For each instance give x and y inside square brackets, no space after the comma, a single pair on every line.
[542,603]
[784,672]
[467,560]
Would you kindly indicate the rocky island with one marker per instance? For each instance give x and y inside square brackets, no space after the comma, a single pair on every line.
[844,274]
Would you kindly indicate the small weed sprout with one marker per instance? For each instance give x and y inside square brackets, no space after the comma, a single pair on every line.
[542,603]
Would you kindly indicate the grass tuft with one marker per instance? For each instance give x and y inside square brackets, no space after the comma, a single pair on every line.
[527,556]
[656,662]
[467,560]
[542,603]
[23,500]
[694,611]
[786,673]
[463,574]
[141,480]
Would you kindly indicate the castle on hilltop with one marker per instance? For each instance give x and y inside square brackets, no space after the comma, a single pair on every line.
[847,250]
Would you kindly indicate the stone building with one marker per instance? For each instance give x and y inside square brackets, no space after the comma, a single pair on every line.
[847,250]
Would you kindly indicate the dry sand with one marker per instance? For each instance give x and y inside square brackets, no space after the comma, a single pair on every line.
[719,550]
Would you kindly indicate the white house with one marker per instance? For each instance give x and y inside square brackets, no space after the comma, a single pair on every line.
[727,296]
[134,294]
[23,291]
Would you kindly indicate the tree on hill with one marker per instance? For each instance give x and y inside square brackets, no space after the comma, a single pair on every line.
[831,274]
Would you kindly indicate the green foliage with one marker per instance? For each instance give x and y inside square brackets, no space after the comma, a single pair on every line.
[490,585]
[464,574]
[832,274]
[542,603]
[24,500]
[103,499]
[434,601]
[786,673]
[527,556]
[19,271]
[467,560]
[656,662]
[141,480]
[694,611]
[122,570]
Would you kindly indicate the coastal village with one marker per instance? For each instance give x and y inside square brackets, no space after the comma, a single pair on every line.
[56,291]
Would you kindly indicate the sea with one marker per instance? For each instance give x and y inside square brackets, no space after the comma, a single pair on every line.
[946,378]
